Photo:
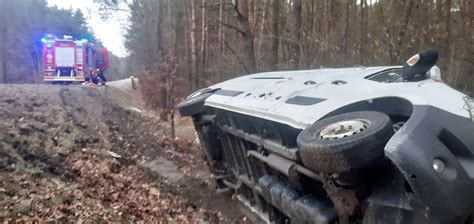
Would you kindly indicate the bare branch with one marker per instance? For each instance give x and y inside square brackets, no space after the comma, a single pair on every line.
[282,38]
[469,60]
[217,4]
[236,56]
[233,27]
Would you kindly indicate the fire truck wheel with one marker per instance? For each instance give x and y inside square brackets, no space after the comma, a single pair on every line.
[345,142]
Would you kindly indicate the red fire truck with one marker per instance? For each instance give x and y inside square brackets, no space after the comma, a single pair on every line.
[69,60]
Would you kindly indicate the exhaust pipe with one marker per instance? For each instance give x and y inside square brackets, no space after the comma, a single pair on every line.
[285,166]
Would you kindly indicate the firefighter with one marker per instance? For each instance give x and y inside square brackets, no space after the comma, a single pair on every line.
[101,75]
[93,77]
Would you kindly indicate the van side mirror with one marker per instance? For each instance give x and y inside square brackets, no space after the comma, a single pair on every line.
[435,73]
[416,68]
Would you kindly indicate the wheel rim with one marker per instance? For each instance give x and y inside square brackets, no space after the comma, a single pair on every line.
[343,129]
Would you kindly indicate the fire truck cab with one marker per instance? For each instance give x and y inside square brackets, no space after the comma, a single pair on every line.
[69,60]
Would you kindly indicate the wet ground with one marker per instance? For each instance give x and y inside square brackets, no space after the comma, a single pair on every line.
[75,153]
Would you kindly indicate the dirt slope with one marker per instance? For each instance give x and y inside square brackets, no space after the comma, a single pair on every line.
[81,154]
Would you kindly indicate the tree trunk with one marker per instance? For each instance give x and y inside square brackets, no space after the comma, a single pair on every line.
[447,21]
[262,30]
[363,33]
[180,36]
[402,31]
[327,33]
[187,47]
[194,63]
[173,126]
[161,72]
[248,48]
[388,33]
[275,33]
[202,55]
[298,15]
[206,54]
[220,39]
[315,44]
[345,33]
[221,27]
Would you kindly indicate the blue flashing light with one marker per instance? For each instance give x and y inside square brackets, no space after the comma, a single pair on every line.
[85,40]
[49,46]
[43,40]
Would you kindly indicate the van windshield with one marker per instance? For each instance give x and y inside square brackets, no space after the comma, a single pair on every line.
[387,76]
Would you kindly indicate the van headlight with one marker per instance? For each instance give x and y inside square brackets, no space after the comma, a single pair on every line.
[199,92]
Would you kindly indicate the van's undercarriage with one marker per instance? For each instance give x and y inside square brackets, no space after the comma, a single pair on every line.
[259,160]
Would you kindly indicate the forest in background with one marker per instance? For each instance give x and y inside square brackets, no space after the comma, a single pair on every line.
[184,45]
[179,46]
[22,25]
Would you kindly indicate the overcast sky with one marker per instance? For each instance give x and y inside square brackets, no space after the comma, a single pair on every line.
[110,32]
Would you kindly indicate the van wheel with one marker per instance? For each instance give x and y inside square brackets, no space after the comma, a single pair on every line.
[345,142]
